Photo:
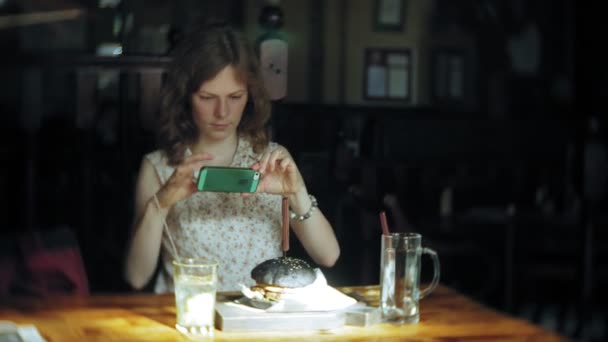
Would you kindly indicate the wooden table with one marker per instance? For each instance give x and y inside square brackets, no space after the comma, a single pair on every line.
[446,315]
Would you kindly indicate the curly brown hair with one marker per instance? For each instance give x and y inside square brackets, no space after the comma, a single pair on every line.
[200,56]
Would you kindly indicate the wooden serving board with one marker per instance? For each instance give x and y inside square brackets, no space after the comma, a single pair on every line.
[233,317]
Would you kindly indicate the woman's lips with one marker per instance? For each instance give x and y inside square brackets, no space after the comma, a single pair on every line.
[220,126]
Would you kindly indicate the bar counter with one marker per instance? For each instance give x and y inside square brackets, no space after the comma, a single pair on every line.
[446,315]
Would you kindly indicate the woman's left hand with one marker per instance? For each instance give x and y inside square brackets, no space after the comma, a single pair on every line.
[280,175]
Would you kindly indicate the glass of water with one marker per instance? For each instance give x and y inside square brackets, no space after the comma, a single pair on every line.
[400,291]
[195,282]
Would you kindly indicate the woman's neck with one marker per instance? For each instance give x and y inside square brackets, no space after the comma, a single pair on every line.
[222,151]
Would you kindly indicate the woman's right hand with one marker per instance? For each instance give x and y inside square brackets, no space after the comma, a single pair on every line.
[181,184]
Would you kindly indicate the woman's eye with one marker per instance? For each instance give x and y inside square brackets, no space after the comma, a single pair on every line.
[206,98]
[236,97]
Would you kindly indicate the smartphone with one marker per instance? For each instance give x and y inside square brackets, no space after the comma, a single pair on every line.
[227,179]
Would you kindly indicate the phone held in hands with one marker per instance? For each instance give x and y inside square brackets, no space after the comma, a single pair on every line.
[227,179]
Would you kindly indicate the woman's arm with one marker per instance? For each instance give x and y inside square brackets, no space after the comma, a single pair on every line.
[144,246]
[315,233]
[280,175]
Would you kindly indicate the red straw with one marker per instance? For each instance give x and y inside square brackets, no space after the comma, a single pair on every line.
[383,223]
[285,209]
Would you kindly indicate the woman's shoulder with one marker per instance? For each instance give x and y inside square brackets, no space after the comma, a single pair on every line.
[248,155]
[275,146]
[156,154]
[271,146]
[160,162]
[157,157]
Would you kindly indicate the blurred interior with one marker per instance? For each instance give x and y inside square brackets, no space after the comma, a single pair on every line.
[495,151]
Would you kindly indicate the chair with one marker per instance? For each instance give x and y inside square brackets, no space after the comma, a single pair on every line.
[50,264]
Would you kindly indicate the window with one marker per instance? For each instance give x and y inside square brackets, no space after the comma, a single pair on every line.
[387,74]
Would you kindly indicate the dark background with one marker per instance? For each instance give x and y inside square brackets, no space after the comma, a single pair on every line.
[523,231]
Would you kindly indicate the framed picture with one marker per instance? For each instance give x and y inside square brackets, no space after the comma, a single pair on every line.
[389,15]
[387,74]
[448,76]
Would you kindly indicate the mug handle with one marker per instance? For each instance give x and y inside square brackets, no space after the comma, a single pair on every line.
[436,270]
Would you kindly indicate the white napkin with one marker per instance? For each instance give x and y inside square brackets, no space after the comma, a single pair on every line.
[317,296]
[27,333]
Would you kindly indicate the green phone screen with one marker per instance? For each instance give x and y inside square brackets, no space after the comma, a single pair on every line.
[227,179]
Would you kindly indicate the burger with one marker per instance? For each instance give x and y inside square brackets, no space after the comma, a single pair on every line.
[279,276]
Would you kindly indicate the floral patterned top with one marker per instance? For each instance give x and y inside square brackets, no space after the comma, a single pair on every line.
[236,231]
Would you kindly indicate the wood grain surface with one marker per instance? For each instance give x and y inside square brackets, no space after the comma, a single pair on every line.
[446,315]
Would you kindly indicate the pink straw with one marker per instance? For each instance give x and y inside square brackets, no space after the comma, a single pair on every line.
[285,209]
[383,223]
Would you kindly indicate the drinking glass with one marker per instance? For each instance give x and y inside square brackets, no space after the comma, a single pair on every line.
[400,277]
[195,282]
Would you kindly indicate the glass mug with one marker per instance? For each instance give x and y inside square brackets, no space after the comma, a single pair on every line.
[400,293]
[195,282]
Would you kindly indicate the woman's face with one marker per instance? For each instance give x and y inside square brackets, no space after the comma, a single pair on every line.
[217,106]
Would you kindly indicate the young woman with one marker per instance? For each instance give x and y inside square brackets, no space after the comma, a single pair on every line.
[214,111]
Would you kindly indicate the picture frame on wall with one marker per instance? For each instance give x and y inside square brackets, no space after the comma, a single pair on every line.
[387,74]
[389,15]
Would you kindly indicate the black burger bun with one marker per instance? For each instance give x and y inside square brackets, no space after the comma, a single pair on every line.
[284,272]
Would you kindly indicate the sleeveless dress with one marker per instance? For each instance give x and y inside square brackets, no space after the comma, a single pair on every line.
[238,232]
